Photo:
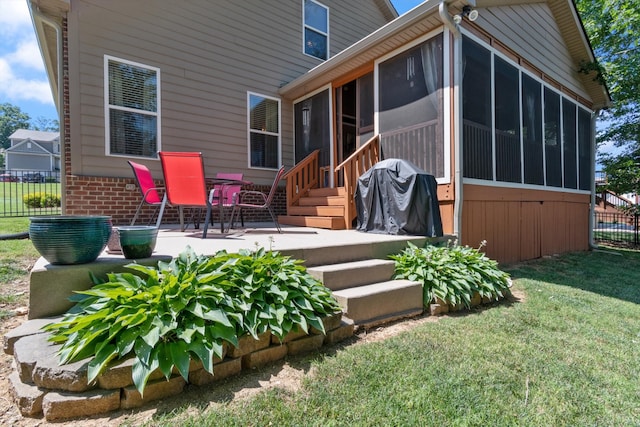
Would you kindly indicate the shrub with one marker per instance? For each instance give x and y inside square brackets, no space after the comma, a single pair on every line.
[41,200]
[451,273]
[188,308]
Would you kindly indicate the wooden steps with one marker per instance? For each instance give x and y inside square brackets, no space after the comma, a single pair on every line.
[329,223]
[320,208]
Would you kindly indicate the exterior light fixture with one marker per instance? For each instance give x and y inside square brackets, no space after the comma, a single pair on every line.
[471,15]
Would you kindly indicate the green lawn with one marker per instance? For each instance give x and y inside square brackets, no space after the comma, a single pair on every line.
[11,193]
[566,354]
[16,257]
[615,236]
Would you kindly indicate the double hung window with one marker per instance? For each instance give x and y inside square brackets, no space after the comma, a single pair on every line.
[316,29]
[132,105]
[264,131]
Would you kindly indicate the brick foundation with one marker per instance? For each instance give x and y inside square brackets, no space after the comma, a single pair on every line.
[119,198]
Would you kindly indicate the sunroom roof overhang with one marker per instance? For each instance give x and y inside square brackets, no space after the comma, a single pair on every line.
[418,21]
[424,18]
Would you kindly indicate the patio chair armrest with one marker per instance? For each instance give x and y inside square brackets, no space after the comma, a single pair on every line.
[212,195]
[240,195]
[149,190]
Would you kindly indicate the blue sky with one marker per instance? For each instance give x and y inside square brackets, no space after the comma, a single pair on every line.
[23,81]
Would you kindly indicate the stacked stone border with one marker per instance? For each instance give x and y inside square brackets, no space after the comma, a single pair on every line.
[441,307]
[43,388]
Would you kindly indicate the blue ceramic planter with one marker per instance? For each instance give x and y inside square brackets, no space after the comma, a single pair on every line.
[70,239]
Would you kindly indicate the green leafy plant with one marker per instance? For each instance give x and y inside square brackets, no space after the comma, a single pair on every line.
[187,308]
[451,273]
[41,200]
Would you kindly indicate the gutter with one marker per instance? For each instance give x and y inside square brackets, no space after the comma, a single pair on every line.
[457,102]
[592,205]
[38,18]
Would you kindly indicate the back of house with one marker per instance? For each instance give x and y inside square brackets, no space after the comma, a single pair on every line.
[492,104]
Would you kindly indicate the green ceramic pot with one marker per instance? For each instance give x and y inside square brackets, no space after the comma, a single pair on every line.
[137,241]
[70,239]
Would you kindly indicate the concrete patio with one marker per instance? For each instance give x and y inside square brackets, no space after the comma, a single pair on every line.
[171,241]
[354,265]
[344,250]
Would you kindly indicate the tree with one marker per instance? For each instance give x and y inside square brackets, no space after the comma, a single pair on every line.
[613,26]
[11,119]
[45,125]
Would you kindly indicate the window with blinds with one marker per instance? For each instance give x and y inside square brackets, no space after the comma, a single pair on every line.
[264,131]
[132,120]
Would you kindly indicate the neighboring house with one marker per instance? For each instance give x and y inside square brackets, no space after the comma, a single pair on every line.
[33,151]
[496,109]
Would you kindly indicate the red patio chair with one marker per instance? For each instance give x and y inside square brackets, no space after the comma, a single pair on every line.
[244,197]
[185,183]
[150,193]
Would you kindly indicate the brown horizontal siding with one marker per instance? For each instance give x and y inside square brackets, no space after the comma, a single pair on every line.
[520,224]
[210,53]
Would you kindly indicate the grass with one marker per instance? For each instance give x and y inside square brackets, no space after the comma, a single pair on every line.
[12,251]
[11,197]
[615,236]
[16,258]
[567,354]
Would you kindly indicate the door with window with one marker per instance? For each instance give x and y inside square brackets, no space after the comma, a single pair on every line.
[354,115]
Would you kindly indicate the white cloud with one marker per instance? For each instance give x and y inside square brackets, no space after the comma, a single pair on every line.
[14,18]
[27,54]
[22,73]
[14,89]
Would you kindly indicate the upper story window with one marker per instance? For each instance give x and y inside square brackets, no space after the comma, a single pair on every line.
[132,105]
[316,29]
[264,131]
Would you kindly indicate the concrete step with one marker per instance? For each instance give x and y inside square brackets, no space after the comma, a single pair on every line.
[381,302]
[352,274]
[323,253]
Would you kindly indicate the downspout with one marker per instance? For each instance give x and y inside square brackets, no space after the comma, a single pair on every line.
[38,17]
[592,205]
[457,102]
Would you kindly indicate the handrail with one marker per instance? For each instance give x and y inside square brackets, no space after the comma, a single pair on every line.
[352,168]
[616,199]
[302,178]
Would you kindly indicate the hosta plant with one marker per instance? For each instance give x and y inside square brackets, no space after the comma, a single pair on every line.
[187,308]
[451,273]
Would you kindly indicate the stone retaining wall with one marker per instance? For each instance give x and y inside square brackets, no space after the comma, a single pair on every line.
[41,387]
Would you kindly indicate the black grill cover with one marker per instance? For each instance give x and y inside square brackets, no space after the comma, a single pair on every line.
[397,197]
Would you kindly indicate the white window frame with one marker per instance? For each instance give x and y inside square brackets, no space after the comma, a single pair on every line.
[317,30]
[250,130]
[108,107]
